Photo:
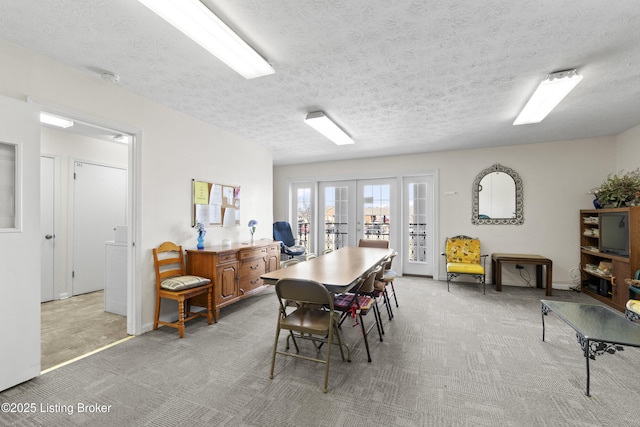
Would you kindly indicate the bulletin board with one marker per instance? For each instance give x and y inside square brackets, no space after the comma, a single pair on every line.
[215,204]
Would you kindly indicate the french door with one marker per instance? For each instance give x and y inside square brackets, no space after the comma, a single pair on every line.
[337,218]
[345,211]
[418,254]
[302,214]
[353,210]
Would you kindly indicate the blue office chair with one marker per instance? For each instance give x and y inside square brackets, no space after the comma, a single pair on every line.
[282,232]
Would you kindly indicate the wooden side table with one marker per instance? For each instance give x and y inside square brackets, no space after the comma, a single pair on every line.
[539,261]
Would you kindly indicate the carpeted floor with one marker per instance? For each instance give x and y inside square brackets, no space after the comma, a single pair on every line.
[76,326]
[447,359]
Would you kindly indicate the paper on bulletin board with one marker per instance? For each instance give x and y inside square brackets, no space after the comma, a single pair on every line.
[215,203]
[203,213]
[200,193]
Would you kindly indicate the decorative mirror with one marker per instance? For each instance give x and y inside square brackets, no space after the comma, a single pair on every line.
[497,197]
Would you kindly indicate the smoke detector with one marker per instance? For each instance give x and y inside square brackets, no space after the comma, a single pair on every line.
[110,77]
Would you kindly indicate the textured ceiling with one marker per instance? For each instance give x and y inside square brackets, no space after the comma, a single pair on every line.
[399,76]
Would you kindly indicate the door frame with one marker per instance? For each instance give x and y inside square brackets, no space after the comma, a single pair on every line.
[293,212]
[315,180]
[432,255]
[135,258]
[395,195]
[352,216]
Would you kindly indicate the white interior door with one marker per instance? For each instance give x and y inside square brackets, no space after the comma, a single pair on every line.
[47,232]
[99,205]
[418,228]
[337,217]
[20,272]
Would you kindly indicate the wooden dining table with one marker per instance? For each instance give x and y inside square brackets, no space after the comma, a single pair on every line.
[338,271]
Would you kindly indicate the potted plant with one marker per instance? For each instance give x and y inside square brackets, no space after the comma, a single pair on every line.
[619,190]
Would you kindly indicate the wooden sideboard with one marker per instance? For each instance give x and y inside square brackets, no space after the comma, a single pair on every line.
[235,270]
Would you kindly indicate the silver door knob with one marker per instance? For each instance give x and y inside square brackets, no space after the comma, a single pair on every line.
[49,236]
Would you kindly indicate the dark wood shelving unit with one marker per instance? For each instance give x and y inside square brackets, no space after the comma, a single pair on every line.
[611,288]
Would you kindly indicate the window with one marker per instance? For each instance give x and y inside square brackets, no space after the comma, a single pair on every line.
[8,186]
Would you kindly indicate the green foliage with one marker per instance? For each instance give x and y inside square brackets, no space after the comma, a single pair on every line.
[619,190]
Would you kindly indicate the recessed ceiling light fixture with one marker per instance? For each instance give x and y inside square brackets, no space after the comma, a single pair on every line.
[55,121]
[323,124]
[549,93]
[196,21]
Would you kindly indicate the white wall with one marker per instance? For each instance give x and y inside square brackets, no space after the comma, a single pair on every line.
[178,148]
[556,178]
[628,150]
[172,149]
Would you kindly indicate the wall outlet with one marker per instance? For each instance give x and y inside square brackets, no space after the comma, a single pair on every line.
[519,267]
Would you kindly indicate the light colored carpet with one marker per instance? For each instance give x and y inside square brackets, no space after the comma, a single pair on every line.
[76,326]
[447,359]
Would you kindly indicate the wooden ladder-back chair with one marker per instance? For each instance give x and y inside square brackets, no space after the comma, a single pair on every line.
[463,256]
[173,283]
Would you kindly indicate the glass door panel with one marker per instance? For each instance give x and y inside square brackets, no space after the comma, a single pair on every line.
[302,217]
[418,227]
[338,213]
[376,204]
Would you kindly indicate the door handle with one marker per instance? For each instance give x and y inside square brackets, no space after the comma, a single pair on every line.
[49,236]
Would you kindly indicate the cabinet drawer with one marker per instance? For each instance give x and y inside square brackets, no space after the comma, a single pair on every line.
[273,249]
[250,282]
[253,253]
[250,268]
[227,257]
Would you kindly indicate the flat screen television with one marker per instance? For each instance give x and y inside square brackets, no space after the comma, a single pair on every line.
[614,233]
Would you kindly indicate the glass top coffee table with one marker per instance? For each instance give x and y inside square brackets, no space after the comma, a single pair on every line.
[598,328]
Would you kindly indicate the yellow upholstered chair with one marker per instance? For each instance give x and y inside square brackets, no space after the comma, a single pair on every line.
[463,256]
[632,309]
[173,283]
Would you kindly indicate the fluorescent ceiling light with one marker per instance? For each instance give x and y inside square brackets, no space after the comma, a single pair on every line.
[549,93]
[200,24]
[325,126]
[55,121]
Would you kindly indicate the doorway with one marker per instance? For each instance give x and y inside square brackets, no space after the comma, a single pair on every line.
[80,228]
[357,209]
[400,210]
[418,226]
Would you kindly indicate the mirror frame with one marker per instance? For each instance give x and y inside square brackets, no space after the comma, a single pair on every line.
[518,219]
